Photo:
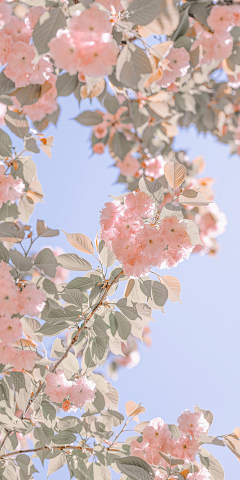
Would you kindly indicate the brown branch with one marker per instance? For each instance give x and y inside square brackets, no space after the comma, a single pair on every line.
[80,329]
[68,447]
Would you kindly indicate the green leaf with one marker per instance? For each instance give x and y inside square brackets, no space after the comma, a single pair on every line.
[64,438]
[71,261]
[17,123]
[8,212]
[212,464]
[135,468]
[30,144]
[89,118]
[99,347]
[46,261]
[70,363]
[99,327]
[113,324]
[73,296]
[120,145]
[5,144]
[153,189]
[131,64]
[4,255]
[52,330]
[21,263]
[82,283]
[200,12]
[111,103]
[96,406]
[183,42]
[44,231]
[183,25]
[124,326]
[9,232]
[48,410]
[6,85]
[126,309]
[46,28]
[95,294]
[29,95]
[56,463]
[106,256]
[159,293]
[66,84]
[144,11]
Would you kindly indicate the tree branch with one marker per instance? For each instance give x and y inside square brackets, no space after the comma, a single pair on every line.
[80,329]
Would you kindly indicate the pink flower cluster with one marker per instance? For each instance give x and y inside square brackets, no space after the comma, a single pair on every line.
[18,53]
[10,189]
[61,390]
[46,105]
[224,18]
[87,46]
[211,223]
[111,124]
[13,301]
[157,437]
[218,45]
[138,243]
[176,66]
[213,46]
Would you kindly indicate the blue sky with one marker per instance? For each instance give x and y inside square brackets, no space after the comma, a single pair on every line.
[194,357]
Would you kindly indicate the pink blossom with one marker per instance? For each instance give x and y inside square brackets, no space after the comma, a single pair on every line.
[140,204]
[139,449]
[10,189]
[99,148]
[236,15]
[20,66]
[98,59]
[221,18]
[3,109]
[31,300]
[5,272]
[10,329]
[174,231]
[6,45]
[222,45]
[177,67]
[24,359]
[193,423]
[114,122]
[202,474]
[155,167]
[5,13]
[92,23]
[46,105]
[129,166]
[206,51]
[41,71]
[152,242]
[7,354]
[9,295]
[64,51]
[157,434]
[185,448]
[57,386]
[17,29]
[82,391]
[33,16]
[109,214]
[100,130]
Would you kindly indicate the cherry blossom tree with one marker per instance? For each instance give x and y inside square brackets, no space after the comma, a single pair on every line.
[152,65]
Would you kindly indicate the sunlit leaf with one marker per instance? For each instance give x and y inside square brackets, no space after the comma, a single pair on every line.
[80,242]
